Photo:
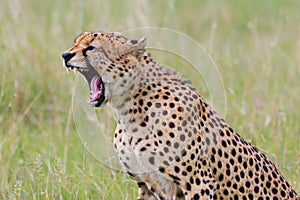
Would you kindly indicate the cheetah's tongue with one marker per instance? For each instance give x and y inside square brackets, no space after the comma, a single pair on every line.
[96,89]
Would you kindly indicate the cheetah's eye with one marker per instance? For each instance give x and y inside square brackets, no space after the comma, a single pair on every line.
[89,48]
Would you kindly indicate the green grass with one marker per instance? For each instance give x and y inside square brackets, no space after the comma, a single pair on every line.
[256,45]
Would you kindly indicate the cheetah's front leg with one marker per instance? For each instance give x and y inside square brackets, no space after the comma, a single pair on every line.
[158,189]
[144,193]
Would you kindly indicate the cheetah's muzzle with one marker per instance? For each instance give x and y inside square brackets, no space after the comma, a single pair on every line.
[96,85]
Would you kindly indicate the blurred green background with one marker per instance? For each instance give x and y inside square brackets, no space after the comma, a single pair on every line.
[256,45]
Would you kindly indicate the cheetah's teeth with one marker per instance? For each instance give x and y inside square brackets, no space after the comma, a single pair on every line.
[68,70]
[75,70]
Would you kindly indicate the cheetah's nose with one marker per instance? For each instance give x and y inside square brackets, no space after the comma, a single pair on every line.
[67,56]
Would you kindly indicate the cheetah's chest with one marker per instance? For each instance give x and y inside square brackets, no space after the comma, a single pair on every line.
[130,150]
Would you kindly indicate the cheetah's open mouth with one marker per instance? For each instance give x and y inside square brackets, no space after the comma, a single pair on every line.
[96,85]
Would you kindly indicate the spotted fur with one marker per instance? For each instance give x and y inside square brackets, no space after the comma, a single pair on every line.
[168,139]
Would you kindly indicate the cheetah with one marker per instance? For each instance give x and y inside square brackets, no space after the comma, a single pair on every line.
[168,139]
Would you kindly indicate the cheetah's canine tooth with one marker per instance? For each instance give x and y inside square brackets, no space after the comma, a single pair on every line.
[68,70]
[75,70]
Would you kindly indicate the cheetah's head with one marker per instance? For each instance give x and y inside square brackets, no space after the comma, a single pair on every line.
[97,56]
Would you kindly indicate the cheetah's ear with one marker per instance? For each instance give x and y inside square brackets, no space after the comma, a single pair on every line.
[141,43]
[138,46]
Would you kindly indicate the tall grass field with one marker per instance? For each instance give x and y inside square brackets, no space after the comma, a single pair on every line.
[255,44]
